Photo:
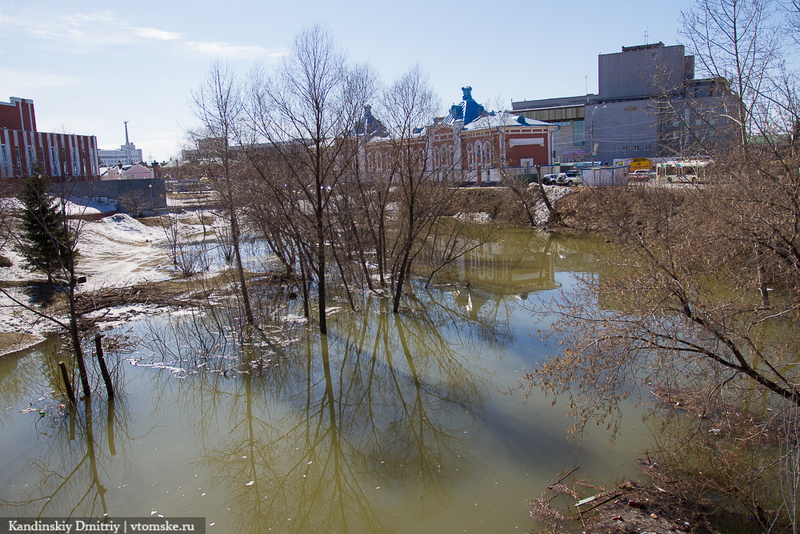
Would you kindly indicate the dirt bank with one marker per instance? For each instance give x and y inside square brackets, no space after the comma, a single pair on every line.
[11,342]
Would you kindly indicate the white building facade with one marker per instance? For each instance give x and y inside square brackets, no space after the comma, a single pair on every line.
[127,154]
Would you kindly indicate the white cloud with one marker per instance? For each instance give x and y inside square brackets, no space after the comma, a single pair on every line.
[84,29]
[78,29]
[82,32]
[154,33]
[232,51]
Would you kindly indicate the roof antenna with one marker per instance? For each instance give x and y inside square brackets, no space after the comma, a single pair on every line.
[586,85]
[646,37]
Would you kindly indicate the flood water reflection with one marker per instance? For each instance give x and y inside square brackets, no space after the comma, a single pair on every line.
[408,422]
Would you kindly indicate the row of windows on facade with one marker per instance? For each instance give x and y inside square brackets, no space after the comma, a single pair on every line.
[711,121]
[478,154]
[714,117]
[55,168]
[636,147]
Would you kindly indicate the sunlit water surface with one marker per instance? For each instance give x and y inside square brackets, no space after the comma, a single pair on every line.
[414,422]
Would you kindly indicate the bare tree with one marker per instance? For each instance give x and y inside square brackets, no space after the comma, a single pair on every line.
[135,202]
[303,113]
[737,41]
[219,105]
[420,187]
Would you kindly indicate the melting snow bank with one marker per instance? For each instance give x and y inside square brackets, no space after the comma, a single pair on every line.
[116,251]
[553,192]
[481,217]
[119,251]
[123,228]
[486,205]
[121,315]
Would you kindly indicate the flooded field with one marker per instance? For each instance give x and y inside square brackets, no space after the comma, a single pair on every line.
[410,422]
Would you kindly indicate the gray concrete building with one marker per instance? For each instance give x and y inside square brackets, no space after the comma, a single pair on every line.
[648,106]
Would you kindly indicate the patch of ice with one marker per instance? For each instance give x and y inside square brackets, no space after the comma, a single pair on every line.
[188,313]
[179,371]
[121,315]
[295,319]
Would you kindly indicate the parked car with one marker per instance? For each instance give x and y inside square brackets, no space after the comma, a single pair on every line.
[569,179]
[642,175]
[549,179]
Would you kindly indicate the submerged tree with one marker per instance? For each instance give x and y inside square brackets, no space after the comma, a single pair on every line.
[302,114]
[421,183]
[410,103]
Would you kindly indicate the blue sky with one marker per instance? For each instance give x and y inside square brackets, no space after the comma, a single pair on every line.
[89,66]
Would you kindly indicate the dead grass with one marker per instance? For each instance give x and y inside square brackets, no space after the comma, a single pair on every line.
[628,508]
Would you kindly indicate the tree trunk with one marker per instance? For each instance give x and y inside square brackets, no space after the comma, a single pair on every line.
[555,218]
[76,338]
[239,267]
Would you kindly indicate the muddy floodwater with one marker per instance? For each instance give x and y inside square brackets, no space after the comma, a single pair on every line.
[410,422]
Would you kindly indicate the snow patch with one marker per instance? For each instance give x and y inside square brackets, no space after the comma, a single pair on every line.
[481,217]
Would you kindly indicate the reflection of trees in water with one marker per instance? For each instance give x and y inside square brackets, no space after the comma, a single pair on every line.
[21,374]
[69,478]
[294,425]
[383,401]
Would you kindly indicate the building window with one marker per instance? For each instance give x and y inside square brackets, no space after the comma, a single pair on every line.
[636,147]
[648,147]
[5,161]
[55,165]
[579,133]
[624,148]
[31,161]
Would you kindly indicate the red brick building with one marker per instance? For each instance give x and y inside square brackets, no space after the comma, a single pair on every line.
[23,149]
[472,144]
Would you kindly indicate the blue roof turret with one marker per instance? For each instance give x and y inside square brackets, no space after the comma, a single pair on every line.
[472,110]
